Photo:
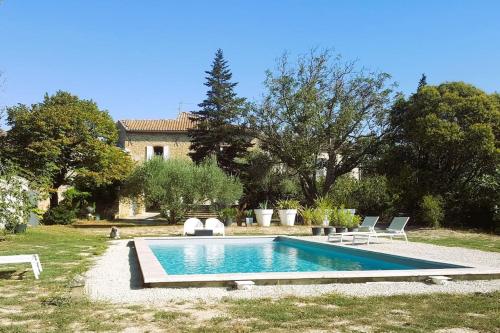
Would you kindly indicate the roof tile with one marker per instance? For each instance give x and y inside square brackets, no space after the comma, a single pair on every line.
[181,124]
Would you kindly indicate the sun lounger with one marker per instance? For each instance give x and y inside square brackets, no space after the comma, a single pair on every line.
[32,259]
[367,226]
[395,229]
[191,224]
[215,225]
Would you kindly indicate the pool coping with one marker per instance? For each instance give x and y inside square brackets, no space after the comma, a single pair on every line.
[155,276]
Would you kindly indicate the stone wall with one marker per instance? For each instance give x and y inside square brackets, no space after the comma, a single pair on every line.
[136,143]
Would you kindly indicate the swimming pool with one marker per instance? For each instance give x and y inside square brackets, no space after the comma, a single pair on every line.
[272,255]
[190,261]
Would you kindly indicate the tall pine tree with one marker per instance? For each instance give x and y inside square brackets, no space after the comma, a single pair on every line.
[218,131]
[423,82]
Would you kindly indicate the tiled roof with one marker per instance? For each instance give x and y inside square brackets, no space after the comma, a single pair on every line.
[181,124]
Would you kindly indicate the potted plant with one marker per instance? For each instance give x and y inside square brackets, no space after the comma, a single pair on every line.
[20,228]
[287,210]
[307,215]
[341,218]
[263,215]
[325,206]
[248,217]
[354,223]
[318,218]
[227,215]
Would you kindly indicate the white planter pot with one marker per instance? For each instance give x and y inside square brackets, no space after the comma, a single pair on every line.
[249,221]
[287,216]
[264,217]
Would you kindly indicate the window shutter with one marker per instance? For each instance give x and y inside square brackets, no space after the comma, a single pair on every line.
[149,152]
[166,153]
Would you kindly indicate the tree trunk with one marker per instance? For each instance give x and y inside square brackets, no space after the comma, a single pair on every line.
[58,181]
[54,199]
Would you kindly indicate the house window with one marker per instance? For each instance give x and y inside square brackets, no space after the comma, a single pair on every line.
[158,150]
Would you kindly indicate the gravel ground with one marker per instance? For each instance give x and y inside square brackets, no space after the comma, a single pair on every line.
[116,278]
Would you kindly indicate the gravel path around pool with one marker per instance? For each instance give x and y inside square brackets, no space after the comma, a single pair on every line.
[116,278]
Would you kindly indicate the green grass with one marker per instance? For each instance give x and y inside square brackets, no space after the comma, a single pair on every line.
[50,305]
[466,239]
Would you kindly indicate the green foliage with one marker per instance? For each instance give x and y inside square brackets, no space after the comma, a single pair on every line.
[308,215]
[431,210]
[218,131]
[318,110]
[61,214]
[265,179]
[341,217]
[248,213]
[343,192]
[65,140]
[175,186]
[288,204]
[369,195]
[323,203]
[16,203]
[445,142]
[263,204]
[319,216]
[228,213]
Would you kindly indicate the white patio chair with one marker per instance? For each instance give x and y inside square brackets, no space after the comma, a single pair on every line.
[32,259]
[191,224]
[215,225]
[395,229]
[367,226]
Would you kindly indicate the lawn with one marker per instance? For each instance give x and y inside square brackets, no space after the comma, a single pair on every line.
[447,237]
[52,305]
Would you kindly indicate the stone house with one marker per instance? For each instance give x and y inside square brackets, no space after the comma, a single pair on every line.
[144,139]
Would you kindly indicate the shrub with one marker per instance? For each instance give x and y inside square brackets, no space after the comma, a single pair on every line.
[62,214]
[288,204]
[342,192]
[308,215]
[431,210]
[373,195]
[16,203]
[369,195]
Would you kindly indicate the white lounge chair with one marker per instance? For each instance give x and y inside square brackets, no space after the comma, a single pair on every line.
[367,226]
[395,229]
[215,225]
[191,224]
[32,259]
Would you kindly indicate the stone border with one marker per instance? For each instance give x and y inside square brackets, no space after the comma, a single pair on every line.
[155,276]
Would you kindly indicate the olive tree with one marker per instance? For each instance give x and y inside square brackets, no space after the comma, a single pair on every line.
[176,185]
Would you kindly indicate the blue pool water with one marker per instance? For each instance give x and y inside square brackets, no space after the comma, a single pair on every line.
[216,256]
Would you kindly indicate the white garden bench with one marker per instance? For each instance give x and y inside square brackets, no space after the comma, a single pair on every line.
[32,259]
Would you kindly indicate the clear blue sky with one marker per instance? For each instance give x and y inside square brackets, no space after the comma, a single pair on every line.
[139,59]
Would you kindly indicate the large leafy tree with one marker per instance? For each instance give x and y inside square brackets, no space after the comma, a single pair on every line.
[219,131]
[445,144]
[322,113]
[65,140]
